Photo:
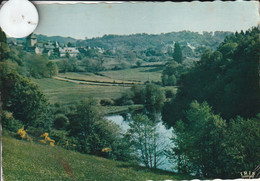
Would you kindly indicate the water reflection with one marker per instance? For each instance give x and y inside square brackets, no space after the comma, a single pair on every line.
[164,134]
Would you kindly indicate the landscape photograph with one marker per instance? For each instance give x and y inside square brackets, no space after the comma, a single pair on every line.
[133,91]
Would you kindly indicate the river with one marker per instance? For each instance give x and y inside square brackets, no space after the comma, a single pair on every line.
[164,136]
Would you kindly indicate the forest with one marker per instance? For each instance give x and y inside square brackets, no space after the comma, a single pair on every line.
[209,99]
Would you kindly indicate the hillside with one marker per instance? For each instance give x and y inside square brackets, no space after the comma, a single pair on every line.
[143,41]
[31,161]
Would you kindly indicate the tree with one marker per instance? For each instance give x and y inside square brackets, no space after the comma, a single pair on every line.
[145,139]
[199,141]
[2,36]
[207,144]
[222,78]
[63,65]
[52,68]
[177,54]
[36,65]
[91,130]
[153,99]
[170,74]
[60,121]
[24,99]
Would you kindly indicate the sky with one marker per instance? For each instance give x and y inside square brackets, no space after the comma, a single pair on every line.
[95,20]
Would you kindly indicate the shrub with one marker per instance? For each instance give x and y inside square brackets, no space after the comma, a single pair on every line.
[35,132]
[170,93]
[60,121]
[128,102]
[107,102]
[9,122]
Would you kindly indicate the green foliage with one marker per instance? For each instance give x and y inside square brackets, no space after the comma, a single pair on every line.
[92,132]
[60,121]
[106,102]
[198,142]
[177,54]
[7,67]
[52,68]
[228,79]
[207,145]
[39,66]
[171,73]
[24,99]
[9,123]
[145,140]
[2,36]
[242,145]
[154,98]
[170,92]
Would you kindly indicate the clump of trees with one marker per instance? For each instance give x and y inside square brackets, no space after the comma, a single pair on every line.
[219,137]
[152,96]
[228,79]
[210,146]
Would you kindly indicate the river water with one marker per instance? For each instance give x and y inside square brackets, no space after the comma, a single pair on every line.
[164,136]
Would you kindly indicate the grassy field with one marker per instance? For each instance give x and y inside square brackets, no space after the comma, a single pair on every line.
[141,74]
[67,92]
[31,161]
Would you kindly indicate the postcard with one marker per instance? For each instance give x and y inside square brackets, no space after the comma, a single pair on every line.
[132,91]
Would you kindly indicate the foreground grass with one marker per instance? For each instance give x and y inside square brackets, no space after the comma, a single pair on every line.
[30,161]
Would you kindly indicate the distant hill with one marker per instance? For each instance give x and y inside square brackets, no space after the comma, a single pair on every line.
[144,41]
[60,39]
[44,38]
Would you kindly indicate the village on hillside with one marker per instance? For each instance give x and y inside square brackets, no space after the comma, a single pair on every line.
[59,50]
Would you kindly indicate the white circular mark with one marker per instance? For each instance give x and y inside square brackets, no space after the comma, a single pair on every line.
[18,18]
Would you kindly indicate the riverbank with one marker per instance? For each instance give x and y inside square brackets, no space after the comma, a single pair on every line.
[111,110]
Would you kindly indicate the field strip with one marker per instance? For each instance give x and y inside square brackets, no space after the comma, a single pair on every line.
[94,82]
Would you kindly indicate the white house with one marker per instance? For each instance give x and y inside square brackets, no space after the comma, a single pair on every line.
[72,51]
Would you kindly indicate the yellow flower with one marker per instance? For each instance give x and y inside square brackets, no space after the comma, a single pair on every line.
[21,133]
[74,145]
[43,141]
[45,135]
[51,143]
[107,149]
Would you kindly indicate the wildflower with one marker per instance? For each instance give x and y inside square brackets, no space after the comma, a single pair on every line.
[47,139]
[107,149]
[45,135]
[43,141]
[21,132]
[74,145]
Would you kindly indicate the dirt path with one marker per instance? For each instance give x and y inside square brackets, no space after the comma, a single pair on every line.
[89,82]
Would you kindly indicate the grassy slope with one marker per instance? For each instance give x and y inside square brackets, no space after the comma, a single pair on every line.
[30,161]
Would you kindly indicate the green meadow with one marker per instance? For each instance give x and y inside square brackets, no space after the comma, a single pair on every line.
[71,90]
